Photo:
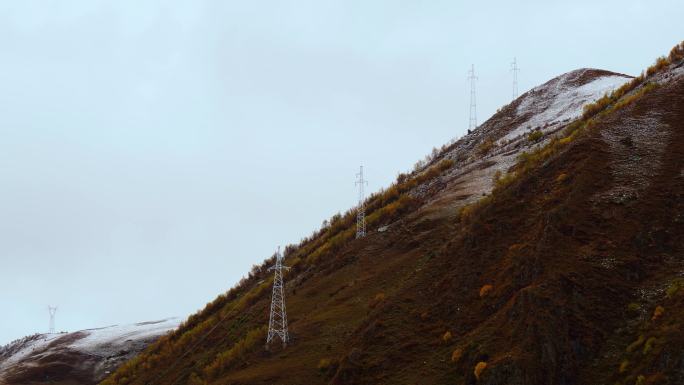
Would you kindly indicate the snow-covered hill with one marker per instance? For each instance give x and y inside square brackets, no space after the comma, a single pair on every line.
[82,357]
[496,144]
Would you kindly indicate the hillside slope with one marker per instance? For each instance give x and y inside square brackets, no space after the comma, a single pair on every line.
[78,358]
[563,267]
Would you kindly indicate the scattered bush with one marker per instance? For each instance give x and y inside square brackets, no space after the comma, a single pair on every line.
[236,352]
[660,63]
[196,380]
[325,364]
[484,147]
[456,355]
[641,380]
[648,346]
[562,177]
[485,290]
[674,287]
[677,53]
[446,337]
[658,312]
[502,180]
[479,368]
[634,345]
[534,136]
[623,366]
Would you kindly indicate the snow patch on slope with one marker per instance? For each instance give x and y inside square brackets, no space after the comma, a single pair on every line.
[107,340]
[563,101]
[100,344]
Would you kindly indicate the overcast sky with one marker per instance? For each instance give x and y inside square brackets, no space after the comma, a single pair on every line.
[152,151]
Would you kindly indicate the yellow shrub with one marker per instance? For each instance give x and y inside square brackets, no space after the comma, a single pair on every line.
[623,366]
[562,177]
[456,355]
[479,368]
[658,312]
[660,63]
[674,287]
[677,53]
[634,345]
[516,247]
[502,180]
[447,337]
[237,351]
[485,290]
[648,346]
[324,364]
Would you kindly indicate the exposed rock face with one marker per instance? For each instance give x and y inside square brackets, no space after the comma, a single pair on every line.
[79,358]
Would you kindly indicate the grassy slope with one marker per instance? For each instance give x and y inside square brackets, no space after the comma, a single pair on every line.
[564,267]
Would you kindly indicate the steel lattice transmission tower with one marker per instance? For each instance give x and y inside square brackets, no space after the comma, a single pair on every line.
[515,69]
[277,323]
[473,108]
[52,311]
[361,213]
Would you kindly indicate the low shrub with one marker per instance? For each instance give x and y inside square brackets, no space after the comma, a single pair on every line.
[677,53]
[485,147]
[325,364]
[534,136]
[227,358]
[660,63]
[446,337]
[674,287]
[623,366]
[648,346]
[657,313]
[195,379]
[562,177]
[485,290]
[479,368]
[502,180]
[456,355]
[635,345]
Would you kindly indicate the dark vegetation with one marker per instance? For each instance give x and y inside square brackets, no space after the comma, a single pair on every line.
[540,282]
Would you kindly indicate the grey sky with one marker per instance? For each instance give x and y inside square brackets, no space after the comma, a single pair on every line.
[151,152]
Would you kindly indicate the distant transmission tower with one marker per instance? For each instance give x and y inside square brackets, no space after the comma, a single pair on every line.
[52,311]
[473,108]
[361,213]
[277,323]
[515,69]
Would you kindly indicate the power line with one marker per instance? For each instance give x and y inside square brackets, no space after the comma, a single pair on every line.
[52,311]
[277,322]
[472,124]
[515,69]
[361,212]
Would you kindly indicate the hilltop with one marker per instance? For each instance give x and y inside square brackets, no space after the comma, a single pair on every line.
[82,357]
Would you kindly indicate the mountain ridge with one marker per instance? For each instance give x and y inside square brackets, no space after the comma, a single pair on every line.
[493,290]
